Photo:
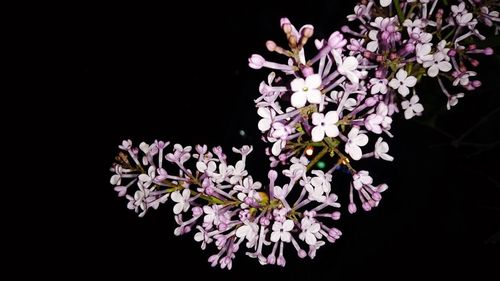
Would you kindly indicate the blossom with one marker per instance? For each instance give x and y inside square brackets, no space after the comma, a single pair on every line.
[355,141]
[310,231]
[325,124]
[267,115]
[381,149]
[453,100]
[347,66]
[281,231]
[306,90]
[402,82]
[437,64]
[182,201]
[385,3]
[412,107]
[378,86]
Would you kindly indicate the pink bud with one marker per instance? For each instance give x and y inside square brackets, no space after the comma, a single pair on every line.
[307,71]
[488,51]
[256,61]
[335,215]
[371,101]
[376,196]
[197,211]
[366,206]
[307,31]
[336,40]
[352,208]
[271,259]
[270,45]
[302,254]
[474,62]
[452,52]
[476,83]
[345,29]
[281,261]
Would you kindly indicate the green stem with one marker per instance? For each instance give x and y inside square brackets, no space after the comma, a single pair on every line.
[399,11]
[317,158]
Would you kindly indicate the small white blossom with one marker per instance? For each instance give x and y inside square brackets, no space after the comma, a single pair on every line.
[378,86]
[381,149]
[325,124]
[453,100]
[352,147]
[306,90]
[310,231]
[181,200]
[438,63]
[385,3]
[281,231]
[402,82]
[412,107]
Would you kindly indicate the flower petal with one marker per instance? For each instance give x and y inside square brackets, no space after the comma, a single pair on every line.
[313,81]
[314,96]
[299,99]
[318,133]
[297,84]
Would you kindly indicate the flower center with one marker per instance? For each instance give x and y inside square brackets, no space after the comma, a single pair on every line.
[305,89]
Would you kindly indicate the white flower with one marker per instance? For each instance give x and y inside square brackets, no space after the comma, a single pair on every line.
[224,172]
[281,231]
[267,115]
[336,97]
[402,82]
[412,107]
[237,172]
[453,100]
[381,149]
[347,67]
[208,169]
[441,48]
[423,52]
[385,3]
[437,64]
[372,46]
[147,179]
[182,201]
[116,179]
[306,90]
[211,215]
[310,231]
[202,237]
[463,78]
[378,86]
[355,141]
[361,178]
[249,231]
[325,124]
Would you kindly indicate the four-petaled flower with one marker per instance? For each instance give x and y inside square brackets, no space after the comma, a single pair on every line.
[181,200]
[412,107]
[402,82]
[281,231]
[306,90]
[354,142]
[325,124]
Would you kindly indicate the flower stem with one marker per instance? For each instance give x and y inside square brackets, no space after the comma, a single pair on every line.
[399,11]
[317,157]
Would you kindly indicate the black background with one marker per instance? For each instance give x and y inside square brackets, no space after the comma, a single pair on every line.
[147,72]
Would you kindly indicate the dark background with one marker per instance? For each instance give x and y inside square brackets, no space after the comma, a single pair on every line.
[180,74]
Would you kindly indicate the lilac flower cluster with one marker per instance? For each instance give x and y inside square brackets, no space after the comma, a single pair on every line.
[332,106]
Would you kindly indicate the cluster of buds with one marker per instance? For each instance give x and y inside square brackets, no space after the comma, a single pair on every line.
[336,107]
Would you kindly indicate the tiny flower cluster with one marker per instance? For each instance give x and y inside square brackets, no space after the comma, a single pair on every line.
[338,106]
